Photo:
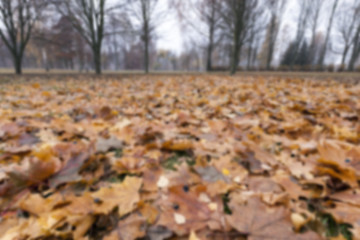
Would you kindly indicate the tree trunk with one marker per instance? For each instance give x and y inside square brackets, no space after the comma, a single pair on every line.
[356,50]
[97,59]
[236,48]
[239,10]
[235,56]
[210,48]
[354,56]
[209,60]
[250,50]
[18,64]
[295,55]
[234,60]
[269,57]
[146,57]
[343,58]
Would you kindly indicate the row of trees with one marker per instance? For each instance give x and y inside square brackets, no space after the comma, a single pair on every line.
[88,18]
[236,26]
[222,34]
[347,24]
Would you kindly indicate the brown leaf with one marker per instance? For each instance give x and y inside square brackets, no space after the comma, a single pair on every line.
[33,170]
[132,227]
[70,172]
[260,222]
[177,145]
[181,211]
[125,195]
[105,144]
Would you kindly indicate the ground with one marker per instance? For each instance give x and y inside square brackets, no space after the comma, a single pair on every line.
[180,157]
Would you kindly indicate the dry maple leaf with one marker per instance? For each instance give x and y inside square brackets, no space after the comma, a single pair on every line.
[260,222]
[31,171]
[105,144]
[70,172]
[125,195]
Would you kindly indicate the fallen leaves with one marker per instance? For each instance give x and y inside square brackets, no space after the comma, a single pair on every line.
[257,221]
[124,195]
[200,157]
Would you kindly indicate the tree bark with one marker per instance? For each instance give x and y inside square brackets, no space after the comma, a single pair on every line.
[97,59]
[18,64]
[343,58]
[239,9]
[146,53]
[235,55]
[209,58]
[210,49]
[355,53]
[356,50]
[146,32]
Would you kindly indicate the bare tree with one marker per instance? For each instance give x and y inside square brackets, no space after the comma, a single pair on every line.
[255,28]
[315,10]
[327,37]
[316,6]
[235,19]
[88,18]
[207,12]
[121,36]
[346,27]
[276,8]
[305,10]
[237,23]
[17,18]
[147,14]
[356,49]
[114,21]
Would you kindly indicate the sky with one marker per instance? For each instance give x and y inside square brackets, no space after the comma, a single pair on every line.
[170,36]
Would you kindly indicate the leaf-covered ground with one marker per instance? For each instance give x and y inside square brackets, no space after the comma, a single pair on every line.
[192,157]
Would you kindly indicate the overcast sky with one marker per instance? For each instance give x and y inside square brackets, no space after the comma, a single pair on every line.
[169,33]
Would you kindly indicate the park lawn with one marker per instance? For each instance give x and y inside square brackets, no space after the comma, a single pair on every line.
[180,157]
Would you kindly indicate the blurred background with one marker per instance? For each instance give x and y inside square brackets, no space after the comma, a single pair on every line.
[179,35]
